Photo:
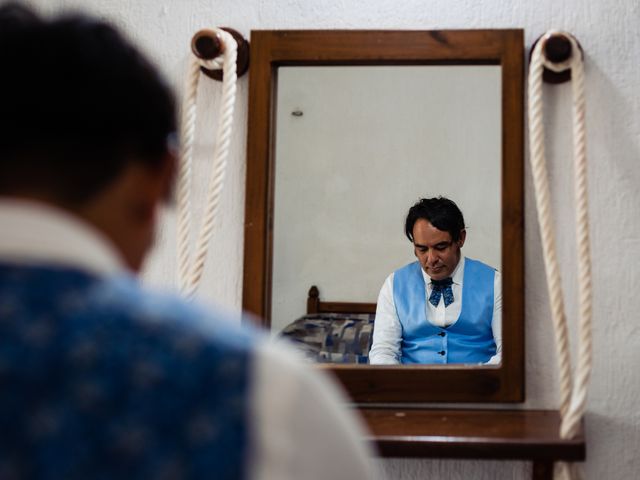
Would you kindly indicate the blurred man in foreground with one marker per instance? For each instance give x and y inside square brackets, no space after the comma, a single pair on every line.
[99,378]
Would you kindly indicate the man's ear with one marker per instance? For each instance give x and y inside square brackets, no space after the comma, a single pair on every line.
[463,236]
[148,187]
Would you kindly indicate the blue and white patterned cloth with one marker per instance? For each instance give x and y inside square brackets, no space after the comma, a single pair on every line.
[100,380]
[332,337]
[441,288]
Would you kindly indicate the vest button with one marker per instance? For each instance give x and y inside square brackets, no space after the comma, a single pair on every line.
[442,334]
[442,352]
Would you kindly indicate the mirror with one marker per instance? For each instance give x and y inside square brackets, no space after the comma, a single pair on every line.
[343,128]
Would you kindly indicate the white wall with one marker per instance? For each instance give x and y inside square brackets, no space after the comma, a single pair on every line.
[610,36]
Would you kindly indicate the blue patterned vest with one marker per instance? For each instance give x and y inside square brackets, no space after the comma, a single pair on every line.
[468,340]
[100,380]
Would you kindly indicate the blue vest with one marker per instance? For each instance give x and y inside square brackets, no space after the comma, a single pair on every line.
[99,379]
[468,340]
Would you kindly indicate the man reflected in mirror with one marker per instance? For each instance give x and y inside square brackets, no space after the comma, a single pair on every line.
[444,307]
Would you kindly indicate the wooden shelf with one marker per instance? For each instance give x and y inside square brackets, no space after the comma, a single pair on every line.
[479,434]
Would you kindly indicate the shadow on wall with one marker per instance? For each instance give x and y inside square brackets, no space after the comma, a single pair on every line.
[416,469]
[603,431]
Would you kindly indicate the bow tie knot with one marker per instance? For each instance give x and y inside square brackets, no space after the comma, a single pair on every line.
[441,288]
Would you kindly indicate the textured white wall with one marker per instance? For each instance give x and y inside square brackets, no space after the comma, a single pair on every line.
[610,36]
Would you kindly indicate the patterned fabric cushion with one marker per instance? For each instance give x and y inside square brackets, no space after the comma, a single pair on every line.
[333,337]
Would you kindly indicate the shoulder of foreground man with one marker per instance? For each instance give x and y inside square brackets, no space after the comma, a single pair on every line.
[306,427]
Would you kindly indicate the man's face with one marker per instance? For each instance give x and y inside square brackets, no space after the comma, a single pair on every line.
[436,251]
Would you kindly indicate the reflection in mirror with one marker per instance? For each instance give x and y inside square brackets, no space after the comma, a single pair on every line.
[355,147]
[452,126]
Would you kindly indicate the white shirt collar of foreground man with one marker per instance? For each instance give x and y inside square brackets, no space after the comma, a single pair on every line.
[35,233]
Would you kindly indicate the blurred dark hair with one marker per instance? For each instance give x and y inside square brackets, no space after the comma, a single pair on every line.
[440,212]
[77,102]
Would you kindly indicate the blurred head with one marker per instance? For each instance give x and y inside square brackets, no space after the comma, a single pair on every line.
[436,228]
[86,124]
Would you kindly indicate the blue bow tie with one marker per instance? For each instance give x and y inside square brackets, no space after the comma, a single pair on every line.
[441,287]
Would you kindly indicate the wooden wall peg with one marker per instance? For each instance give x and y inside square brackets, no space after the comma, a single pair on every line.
[207,45]
[556,49]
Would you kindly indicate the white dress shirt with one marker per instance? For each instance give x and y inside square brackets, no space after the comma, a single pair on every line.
[300,428]
[387,332]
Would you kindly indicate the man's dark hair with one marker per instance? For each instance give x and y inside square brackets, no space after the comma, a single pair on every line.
[440,212]
[77,103]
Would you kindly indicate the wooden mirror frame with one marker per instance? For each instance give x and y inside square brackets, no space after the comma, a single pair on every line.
[276,48]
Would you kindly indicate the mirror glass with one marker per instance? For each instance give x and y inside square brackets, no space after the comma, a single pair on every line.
[355,147]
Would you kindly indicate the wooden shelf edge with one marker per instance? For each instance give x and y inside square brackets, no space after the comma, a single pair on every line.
[472,434]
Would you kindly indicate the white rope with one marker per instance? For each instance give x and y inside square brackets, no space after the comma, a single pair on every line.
[190,267]
[573,394]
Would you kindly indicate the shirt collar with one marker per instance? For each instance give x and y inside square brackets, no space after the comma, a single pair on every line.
[36,233]
[458,272]
[457,276]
